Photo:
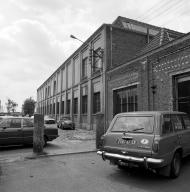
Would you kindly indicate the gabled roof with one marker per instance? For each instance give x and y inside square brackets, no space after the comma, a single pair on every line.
[159,36]
[131,24]
[120,20]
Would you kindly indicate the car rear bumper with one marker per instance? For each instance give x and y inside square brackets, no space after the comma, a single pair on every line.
[146,161]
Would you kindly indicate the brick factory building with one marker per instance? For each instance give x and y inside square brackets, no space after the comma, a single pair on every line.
[123,66]
[158,78]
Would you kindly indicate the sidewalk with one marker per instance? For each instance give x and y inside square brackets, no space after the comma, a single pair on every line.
[68,142]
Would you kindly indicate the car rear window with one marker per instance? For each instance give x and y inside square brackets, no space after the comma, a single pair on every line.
[186,120]
[28,123]
[49,121]
[137,124]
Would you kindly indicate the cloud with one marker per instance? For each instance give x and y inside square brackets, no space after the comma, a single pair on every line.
[29,54]
[34,34]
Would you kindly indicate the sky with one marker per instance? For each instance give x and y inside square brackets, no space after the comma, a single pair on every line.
[35,34]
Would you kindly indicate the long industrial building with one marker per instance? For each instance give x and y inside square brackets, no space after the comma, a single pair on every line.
[105,75]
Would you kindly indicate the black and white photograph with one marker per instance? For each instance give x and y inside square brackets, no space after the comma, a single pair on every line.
[94,96]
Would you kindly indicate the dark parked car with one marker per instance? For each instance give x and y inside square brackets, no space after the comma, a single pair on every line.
[19,130]
[49,120]
[2,117]
[66,123]
[154,140]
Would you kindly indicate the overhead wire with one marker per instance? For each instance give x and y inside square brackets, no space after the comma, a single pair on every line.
[183,9]
[154,9]
[166,10]
[158,4]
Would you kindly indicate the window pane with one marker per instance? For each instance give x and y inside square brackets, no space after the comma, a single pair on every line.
[186,120]
[4,123]
[177,123]
[167,125]
[68,106]
[75,106]
[27,123]
[96,106]
[15,123]
[57,107]
[62,107]
[84,67]
[84,104]
[125,100]
[134,124]
[96,59]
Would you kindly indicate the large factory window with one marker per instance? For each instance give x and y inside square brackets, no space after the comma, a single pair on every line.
[182,93]
[125,99]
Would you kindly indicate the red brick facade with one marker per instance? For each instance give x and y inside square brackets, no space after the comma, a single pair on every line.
[154,74]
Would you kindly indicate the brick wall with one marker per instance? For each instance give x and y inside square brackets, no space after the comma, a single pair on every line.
[125,45]
[123,77]
[163,72]
[154,76]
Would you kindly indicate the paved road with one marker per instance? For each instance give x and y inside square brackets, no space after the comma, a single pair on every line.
[68,141]
[84,173]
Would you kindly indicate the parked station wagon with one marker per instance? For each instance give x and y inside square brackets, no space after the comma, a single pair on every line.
[156,140]
[19,130]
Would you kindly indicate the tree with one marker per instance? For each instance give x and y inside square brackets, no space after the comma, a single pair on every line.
[11,105]
[29,106]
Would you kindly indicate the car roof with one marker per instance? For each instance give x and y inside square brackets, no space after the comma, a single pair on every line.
[14,117]
[150,113]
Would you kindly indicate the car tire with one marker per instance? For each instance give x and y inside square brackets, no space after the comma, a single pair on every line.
[175,165]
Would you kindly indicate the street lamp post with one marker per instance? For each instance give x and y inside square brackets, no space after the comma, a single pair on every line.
[94,52]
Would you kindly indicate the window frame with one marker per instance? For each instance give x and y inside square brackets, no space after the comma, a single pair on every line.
[84,67]
[96,102]
[84,104]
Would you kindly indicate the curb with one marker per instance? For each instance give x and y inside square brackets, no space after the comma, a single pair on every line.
[44,155]
[35,156]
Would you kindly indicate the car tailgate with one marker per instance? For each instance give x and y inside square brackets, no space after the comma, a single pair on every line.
[51,130]
[130,143]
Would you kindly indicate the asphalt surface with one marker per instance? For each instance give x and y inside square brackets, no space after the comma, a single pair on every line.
[84,173]
[69,141]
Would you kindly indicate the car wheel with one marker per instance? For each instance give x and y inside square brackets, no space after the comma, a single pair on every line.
[45,141]
[175,165]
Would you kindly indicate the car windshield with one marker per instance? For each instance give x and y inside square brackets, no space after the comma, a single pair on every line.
[137,124]
[65,119]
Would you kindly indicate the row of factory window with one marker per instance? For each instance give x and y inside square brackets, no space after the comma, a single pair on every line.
[60,107]
[56,86]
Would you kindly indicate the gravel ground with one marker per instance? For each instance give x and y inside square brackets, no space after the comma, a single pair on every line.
[77,134]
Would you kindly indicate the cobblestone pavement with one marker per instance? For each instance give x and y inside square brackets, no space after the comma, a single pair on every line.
[77,134]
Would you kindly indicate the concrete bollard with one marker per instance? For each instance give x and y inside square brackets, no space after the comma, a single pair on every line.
[38,134]
[99,129]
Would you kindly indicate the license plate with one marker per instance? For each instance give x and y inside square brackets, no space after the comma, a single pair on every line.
[123,142]
[128,164]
